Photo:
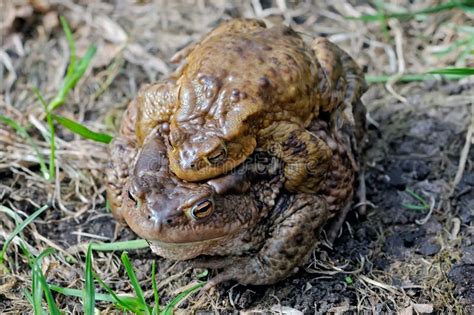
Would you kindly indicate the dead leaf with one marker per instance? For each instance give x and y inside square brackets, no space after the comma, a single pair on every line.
[423,308]
[110,30]
[50,21]
[407,311]
[285,310]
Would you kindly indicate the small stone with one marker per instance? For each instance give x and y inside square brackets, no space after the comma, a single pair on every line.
[468,255]
[429,249]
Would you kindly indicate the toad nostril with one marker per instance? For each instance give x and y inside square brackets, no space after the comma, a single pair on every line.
[169,221]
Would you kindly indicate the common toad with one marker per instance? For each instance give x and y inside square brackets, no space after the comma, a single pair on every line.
[246,87]
[256,233]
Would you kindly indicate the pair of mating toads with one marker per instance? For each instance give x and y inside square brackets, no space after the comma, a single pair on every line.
[243,154]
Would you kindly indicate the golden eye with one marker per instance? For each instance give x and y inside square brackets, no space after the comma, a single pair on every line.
[202,209]
[219,156]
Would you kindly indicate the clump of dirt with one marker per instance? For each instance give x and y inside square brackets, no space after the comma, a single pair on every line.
[414,249]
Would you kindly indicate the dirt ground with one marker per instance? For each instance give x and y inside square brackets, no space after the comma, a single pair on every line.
[396,259]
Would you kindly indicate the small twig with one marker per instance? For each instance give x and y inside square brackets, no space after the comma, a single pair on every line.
[464,154]
[400,61]
[456,228]
[428,216]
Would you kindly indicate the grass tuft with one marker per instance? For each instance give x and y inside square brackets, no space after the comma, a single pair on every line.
[74,73]
[18,229]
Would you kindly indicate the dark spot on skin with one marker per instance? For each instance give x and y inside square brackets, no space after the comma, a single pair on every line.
[288,32]
[238,50]
[295,145]
[289,254]
[264,82]
[299,239]
[274,61]
[234,96]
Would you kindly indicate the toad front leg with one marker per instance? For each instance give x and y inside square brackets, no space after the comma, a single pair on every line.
[296,221]
[305,155]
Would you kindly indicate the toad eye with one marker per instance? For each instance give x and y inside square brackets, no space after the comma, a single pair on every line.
[202,209]
[218,156]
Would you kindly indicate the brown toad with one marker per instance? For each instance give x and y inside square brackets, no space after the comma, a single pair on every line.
[246,86]
[256,234]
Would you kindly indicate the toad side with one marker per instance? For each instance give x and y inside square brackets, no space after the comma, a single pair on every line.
[246,87]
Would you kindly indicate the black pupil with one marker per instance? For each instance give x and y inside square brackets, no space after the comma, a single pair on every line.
[218,157]
[202,208]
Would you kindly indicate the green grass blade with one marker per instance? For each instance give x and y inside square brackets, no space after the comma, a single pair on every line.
[465,5]
[72,46]
[172,304]
[417,197]
[24,134]
[382,19]
[52,162]
[371,79]
[126,245]
[71,80]
[11,214]
[89,290]
[18,229]
[156,297]
[53,308]
[134,281]
[410,206]
[52,155]
[451,47]
[128,303]
[28,296]
[82,130]
[455,71]
[37,292]
[14,125]
[80,294]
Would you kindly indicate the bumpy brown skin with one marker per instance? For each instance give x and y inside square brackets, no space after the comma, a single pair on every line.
[256,235]
[243,87]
